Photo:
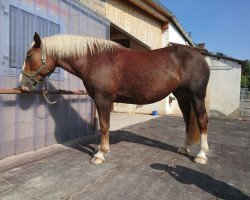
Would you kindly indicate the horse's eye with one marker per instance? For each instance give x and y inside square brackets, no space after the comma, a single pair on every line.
[28,56]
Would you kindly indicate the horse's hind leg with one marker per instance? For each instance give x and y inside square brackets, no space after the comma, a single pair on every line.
[198,104]
[192,130]
[103,105]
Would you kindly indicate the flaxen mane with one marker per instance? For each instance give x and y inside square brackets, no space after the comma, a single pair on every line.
[64,46]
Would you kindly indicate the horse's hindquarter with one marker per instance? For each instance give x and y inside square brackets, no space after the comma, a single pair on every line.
[146,77]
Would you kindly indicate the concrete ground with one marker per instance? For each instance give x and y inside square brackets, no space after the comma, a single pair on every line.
[122,120]
[142,164]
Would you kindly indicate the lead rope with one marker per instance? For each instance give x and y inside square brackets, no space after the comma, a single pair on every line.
[46,98]
[43,90]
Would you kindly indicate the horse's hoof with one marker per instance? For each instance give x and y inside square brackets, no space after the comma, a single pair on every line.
[95,151]
[183,150]
[96,161]
[200,160]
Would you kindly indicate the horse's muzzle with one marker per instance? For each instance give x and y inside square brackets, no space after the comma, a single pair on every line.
[26,84]
[24,88]
[28,87]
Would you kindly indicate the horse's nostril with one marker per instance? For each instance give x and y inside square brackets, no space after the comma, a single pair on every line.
[19,85]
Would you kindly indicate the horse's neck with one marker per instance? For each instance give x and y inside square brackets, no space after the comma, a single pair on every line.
[68,65]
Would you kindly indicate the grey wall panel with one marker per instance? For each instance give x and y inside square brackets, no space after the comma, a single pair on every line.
[27,122]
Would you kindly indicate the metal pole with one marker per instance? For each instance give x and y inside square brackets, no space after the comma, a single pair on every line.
[242,106]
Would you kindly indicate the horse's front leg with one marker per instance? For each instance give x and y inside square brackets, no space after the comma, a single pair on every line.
[103,106]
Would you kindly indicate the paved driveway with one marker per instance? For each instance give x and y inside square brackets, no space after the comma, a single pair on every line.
[143,164]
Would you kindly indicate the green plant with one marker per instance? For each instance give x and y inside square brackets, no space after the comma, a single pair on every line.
[245,76]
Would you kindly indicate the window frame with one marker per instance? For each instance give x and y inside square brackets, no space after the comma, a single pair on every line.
[9,70]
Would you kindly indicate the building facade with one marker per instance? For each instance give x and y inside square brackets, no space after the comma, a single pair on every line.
[151,25]
[28,122]
[224,84]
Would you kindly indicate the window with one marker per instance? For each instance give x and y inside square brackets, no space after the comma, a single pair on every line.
[22,28]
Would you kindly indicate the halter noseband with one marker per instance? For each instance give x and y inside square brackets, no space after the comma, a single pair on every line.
[32,77]
[34,80]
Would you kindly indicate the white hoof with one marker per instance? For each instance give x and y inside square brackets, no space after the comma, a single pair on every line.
[183,150]
[96,161]
[200,160]
[98,158]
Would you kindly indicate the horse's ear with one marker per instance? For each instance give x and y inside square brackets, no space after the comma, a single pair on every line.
[37,40]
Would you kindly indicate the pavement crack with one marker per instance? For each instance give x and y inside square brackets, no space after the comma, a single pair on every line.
[98,180]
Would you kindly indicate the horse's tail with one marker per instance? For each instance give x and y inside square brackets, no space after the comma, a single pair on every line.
[193,132]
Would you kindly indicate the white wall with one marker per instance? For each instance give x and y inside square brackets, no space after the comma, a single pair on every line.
[165,37]
[144,109]
[174,35]
[224,86]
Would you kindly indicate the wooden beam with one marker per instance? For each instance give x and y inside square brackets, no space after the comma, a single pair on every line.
[54,92]
[158,8]
[164,26]
[150,9]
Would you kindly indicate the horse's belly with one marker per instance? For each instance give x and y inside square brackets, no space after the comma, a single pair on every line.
[144,96]
[148,87]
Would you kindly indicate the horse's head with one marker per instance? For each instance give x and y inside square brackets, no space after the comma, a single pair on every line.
[37,67]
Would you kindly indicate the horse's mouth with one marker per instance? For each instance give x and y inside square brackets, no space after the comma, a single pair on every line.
[26,84]
[24,88]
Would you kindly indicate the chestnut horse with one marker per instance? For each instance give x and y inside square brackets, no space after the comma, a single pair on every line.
[112,73]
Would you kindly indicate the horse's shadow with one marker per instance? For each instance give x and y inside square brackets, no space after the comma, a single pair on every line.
[203,181]
[183,175]
[125,136]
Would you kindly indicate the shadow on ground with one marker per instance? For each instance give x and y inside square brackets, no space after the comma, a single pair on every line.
[125,136]
[143,164]
[205,182]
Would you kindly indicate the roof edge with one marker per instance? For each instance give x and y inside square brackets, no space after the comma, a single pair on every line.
[164,10]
